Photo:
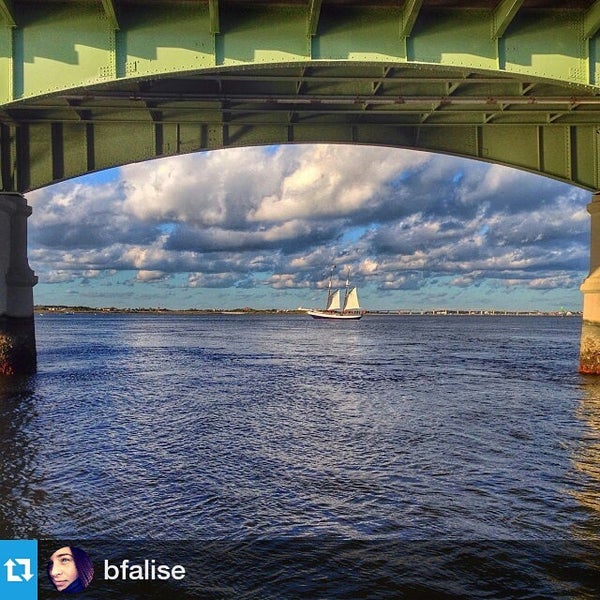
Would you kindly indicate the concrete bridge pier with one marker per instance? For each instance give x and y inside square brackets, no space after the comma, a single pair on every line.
[17,331]
[589,355]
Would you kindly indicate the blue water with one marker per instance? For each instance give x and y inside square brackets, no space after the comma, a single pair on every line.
[464,446]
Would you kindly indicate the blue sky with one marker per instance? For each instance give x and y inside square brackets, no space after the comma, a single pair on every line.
[261,227]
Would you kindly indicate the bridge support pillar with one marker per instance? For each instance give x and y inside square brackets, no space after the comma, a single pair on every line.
[589,354]
[17,331]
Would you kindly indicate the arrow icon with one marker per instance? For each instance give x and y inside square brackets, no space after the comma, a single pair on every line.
[10,564]
[26,562]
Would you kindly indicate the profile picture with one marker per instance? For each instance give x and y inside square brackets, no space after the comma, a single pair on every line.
[70,570]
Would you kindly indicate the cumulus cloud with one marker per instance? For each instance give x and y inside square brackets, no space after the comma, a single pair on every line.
[277,218]
[78,216]
[333,182]
[150,276]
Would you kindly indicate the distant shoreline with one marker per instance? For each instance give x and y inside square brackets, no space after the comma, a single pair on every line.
[50,309]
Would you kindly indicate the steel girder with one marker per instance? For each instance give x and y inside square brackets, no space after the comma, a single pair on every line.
[91,84]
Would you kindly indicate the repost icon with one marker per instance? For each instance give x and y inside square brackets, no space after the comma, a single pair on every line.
[18,574]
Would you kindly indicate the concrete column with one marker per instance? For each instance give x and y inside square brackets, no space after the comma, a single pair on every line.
[17,331]
[589,355]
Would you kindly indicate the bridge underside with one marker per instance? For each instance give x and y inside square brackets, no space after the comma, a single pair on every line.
[534,125]
[91,84]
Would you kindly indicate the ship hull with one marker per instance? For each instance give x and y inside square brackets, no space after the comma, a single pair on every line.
[318,314]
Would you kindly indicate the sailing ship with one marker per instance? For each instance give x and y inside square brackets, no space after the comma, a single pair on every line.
[334,308]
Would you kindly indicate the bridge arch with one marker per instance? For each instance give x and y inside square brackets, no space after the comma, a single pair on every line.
[91,84]
[83,130]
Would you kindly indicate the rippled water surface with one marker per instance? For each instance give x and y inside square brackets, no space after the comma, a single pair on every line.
[393,431]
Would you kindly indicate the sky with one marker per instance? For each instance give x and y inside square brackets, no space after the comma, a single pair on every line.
[262,227]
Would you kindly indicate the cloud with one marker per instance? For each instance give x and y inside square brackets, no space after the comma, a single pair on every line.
[76,216]
[277,218]
[59,276]
[212,280]
[150,276]
[286,281]
[290,236]
[333,182]
[213,189]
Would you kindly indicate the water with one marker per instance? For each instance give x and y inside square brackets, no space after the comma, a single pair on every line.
[390,457]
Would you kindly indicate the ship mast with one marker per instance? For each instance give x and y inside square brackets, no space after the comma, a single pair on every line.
[346,293]
[329,288]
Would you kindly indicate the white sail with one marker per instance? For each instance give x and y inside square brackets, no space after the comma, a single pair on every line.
[334,301]
[352,300]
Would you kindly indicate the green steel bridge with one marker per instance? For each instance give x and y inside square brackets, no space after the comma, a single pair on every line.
[87,85]
[90,84]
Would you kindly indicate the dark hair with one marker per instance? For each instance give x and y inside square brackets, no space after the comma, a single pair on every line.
[84,565]
[85,570]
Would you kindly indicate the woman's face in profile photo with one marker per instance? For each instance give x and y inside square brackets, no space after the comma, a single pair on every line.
[62,568]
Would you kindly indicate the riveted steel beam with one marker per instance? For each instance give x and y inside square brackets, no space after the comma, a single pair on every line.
[181,76]
[503,14]
[7,13]
[410,12]
[7,157]
[314,12]
[111,13]
[214,15]
[592,20]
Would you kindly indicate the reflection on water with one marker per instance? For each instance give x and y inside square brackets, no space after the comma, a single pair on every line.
[586,457]
[18,478]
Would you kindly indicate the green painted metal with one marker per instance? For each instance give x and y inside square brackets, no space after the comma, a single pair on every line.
[90,84]
[410,11]
[592,20]
[213,11]
[111,13]
[6,13]
[504,13]
[314,11]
